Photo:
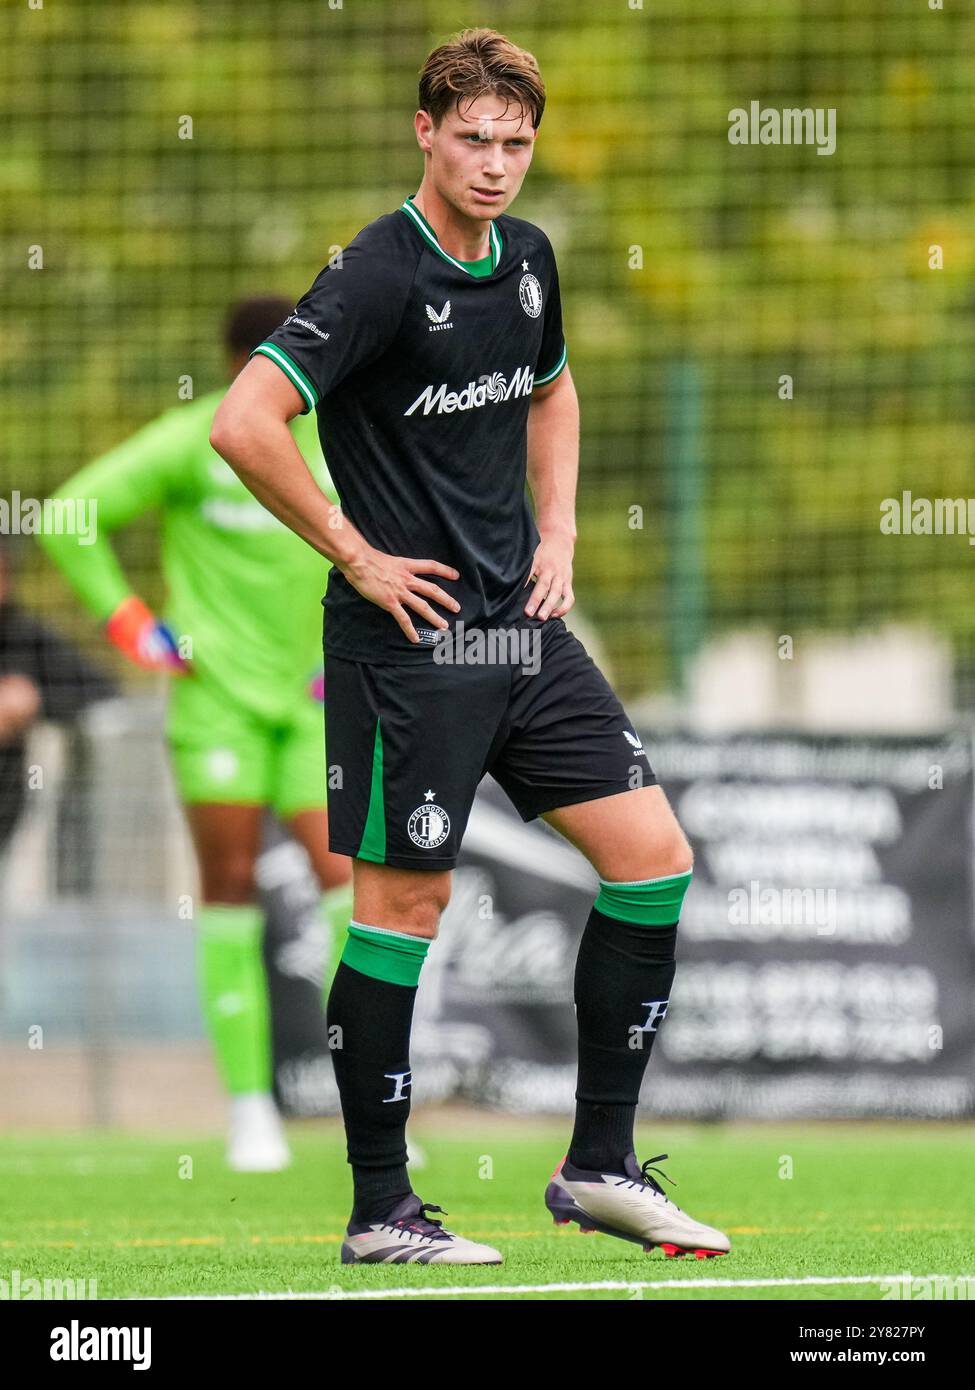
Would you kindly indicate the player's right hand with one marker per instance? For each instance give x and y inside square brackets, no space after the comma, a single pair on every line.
[138,633]
[392,583]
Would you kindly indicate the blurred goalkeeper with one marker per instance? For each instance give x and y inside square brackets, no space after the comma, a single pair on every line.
[242,637]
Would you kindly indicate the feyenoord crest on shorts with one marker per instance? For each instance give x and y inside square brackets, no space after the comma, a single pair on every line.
[429,825]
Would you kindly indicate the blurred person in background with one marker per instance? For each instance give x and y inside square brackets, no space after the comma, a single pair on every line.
[242,637]
[41,677]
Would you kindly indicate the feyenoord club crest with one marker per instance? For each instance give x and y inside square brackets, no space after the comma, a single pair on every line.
[530,294]
[429,825]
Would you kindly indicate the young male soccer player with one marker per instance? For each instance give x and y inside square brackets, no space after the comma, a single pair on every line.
[244,721]
[433,352]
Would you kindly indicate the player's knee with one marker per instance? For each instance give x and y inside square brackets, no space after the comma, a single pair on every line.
[663,856]
[413,902]
[667,849]
[679,857]
[424,906]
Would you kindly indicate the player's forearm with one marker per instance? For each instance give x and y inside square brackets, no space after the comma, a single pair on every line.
[129,480]
[89,564]
[261,451]
[553,459]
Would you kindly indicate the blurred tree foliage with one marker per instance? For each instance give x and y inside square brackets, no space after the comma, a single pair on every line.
[677,250]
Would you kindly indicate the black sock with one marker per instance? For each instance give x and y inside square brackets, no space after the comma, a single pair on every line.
[623,976]
[372,1069]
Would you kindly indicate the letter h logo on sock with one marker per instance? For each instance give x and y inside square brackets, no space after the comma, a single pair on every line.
[399,1091]
[658,1012]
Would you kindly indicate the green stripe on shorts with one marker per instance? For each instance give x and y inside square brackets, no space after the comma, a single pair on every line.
[373,843]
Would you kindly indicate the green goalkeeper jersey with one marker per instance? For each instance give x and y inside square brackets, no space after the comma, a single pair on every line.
[241,586]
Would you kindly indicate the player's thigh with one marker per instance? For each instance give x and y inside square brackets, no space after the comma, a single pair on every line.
[569,738]
[220,753]
[628,836]
[310,829]
[409,900]
[407,747]
[298,793]
[298,770]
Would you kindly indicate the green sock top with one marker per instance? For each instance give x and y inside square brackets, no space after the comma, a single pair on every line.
[394,956]
[653,902]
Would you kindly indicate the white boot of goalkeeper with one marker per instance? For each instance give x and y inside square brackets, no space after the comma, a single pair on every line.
[256,1141]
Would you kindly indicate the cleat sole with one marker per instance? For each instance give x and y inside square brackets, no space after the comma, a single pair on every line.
[677,1252]
[349,1257]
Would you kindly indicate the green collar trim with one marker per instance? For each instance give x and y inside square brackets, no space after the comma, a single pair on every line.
[430,237]
[485,266]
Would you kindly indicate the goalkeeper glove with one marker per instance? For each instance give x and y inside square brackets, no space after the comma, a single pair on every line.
[138,633]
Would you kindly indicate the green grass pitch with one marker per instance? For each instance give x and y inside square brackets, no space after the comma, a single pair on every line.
[163,1215]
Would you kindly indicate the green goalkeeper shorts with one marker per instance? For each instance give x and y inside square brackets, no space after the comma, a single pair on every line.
[223,753]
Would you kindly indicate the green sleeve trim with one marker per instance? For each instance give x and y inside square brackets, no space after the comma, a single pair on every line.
[546,377]
[392,956]
[373,843]
[292,371]
[656,902]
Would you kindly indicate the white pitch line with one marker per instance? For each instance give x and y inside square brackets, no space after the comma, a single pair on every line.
[614,1284]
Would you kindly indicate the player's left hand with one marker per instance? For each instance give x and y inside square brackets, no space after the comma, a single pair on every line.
[552,571]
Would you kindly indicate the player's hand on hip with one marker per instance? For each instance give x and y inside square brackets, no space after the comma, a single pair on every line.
[392,582]
[552,571]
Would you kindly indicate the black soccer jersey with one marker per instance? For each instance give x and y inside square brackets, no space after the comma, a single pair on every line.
[422,372]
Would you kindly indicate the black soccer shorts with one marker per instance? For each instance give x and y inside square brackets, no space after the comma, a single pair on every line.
[407,745]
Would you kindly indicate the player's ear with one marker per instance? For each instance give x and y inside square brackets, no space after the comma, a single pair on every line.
[423,126]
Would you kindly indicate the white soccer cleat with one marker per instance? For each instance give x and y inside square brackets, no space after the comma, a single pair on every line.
[256,1142]
[408,1236]
[632,1206]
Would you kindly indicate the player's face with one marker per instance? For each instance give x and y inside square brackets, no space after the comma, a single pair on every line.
[480,155]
